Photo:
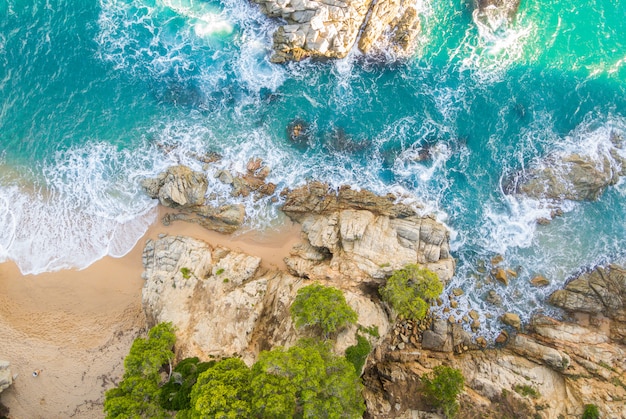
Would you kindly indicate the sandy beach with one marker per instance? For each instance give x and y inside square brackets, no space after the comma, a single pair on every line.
[76,327]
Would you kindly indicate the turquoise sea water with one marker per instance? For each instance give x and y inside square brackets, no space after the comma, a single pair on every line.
[97,95]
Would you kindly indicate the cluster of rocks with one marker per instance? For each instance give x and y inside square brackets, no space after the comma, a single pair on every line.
[185,190]
[567,363]
[362,236]
[495,14]
[330,28]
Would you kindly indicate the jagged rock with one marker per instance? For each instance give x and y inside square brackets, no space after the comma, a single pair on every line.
[576,177]
[495,14]
[511,319]
[223,304]
[177,187]
[6,377]
[330,28]
[528,347]
[502,338]
[501,276]
[494,298]
[539,281]
[362,235]
[225,219]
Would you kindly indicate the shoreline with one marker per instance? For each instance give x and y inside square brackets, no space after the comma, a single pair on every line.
[77,326]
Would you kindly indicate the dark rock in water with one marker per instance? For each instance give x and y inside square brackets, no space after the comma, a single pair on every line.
[339,141]
[299,133]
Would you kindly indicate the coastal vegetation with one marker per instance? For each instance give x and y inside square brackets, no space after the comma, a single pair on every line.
[408,289]
[442,387]
[324,308]
[357,354]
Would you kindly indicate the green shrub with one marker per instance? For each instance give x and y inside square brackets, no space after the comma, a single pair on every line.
[322,307]
[527,391]
[408,288]
[186,273]
[591,412]
[176,393]
[371,330]
[357,354]
[443,388]
[219,271]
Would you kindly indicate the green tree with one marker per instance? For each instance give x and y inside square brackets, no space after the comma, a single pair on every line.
[137,395]
[222,391]
[407,289]
[305,381]
[591,412]
[324,307]
[357,354]
[176,393]
[443,388]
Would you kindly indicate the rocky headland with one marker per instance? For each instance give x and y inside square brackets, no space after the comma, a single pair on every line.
[331,28]
[224,303]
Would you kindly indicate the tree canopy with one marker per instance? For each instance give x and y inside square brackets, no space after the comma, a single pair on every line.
[324,307]
[442,389]
[137,395]
[407,290]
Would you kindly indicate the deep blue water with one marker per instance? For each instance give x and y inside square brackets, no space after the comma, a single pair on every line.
[91,94]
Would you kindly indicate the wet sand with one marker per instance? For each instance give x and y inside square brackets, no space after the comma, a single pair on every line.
[77,326]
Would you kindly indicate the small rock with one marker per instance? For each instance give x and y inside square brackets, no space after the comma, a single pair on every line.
[496,259]
[475,325]
[539,281]
[451,319]
[481,342]
[454,304]
[474,314]
[457,292]
[494,298]
[512,320]
[512,273]
[502,338]
[401,345]
[501,276]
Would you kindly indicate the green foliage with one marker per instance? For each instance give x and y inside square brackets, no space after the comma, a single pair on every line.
[186,273]
[305,381]
[371,330]
[137,395]
[176,393]
[219,271]
[408,288]
[443,388]
[222,391]
[358,353]
[527,391]
[323,307]
[591,412]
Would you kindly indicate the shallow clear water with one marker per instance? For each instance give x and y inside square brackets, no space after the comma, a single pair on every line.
[91,96]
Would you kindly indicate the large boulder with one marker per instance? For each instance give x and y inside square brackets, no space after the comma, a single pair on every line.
[573,176]
[495,14]
[6,377]
[330,28]
[183,189]
[601,291]
[358,234]
[177,187]
[224,304]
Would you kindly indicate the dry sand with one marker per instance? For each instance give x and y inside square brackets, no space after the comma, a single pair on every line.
[77,326]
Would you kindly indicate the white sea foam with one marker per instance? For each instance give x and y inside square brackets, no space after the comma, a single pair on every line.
[87,205]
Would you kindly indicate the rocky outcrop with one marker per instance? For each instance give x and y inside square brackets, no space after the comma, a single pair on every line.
[223,304]
[330,28]
[177,187]
[601,291]
[573,176]
[495,14]
[253,181]
[181,188]
[362,236]
[6,377]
